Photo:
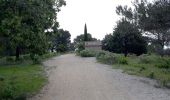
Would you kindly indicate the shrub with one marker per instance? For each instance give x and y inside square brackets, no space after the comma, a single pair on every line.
[106,57]
[123,60]
[87,53]
[26,57]
[146,59]
[8,93]
[35,58]
[80,47]
[2,78]
[164,63]
[151,75]
[10,59]
[101,53]
[48,55]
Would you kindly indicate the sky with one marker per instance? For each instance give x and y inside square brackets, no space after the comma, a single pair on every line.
[99,15]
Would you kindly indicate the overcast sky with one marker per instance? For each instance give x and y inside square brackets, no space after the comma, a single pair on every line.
[99,15]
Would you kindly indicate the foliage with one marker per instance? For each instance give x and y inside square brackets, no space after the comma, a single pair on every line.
[107,57]
[152,18]
[10,59]
[107,43]
[85,33]
[80,38]
[146,59]
[20,81]
[24,24]
[61,40]
[123,60]
[80,46]
[152,66]
[164,63]
[87,53]
[128,39]
[35,58]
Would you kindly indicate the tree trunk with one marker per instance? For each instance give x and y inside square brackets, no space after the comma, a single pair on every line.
[17,53]
[125,54]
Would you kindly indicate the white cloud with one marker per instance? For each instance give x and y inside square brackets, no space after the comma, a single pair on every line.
[99,15]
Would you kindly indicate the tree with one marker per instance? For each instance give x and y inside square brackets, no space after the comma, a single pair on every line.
[24,22]
[155,20]
[62,41]
[151,18]
[107,43]
[85,33]
[80,38]
[128,39]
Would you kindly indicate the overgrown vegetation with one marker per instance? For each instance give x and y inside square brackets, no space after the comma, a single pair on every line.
[19,81]
[30,26]
[87,53]
[23,78]
[151,66]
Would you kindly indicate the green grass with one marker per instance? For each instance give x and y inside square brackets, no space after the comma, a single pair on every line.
[19,81]
[151,66]
[147,68]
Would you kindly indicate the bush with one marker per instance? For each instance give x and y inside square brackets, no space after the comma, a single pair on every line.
[164,63]
[26,57]
[147,59]
[35,58]
[87,53]
[10,59]
[151,75]
[106,57]
[8,93]
[49,55]
[80,47]
[123,60]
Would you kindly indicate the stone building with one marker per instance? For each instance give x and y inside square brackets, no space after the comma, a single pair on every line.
[93,45]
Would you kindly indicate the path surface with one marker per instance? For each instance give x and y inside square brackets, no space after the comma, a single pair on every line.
[76,78]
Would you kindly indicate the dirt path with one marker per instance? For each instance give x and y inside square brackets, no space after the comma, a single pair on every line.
[76,78]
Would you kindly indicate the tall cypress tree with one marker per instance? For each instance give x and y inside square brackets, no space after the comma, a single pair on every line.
[85,33]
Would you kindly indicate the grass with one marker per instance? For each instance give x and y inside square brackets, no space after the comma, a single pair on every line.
[21,79]
[151,66]
[87,53]
[148,68]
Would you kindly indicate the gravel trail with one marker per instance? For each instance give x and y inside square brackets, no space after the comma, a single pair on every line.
[76,78]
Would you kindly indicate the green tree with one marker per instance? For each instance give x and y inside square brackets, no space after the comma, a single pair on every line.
[24,22]
[85,33]
[61,42]
[107,43]
[80,38]
[128,39]
[152,18]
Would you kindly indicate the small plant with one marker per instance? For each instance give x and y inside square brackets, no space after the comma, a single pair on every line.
[2,78]
[80,47]
[26,57]
[107,58]
[35,58]
[151,75]
[123,60]
[145,59]
[10,59]
[8,92]
[164,63]
[142,69]
[101,53]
